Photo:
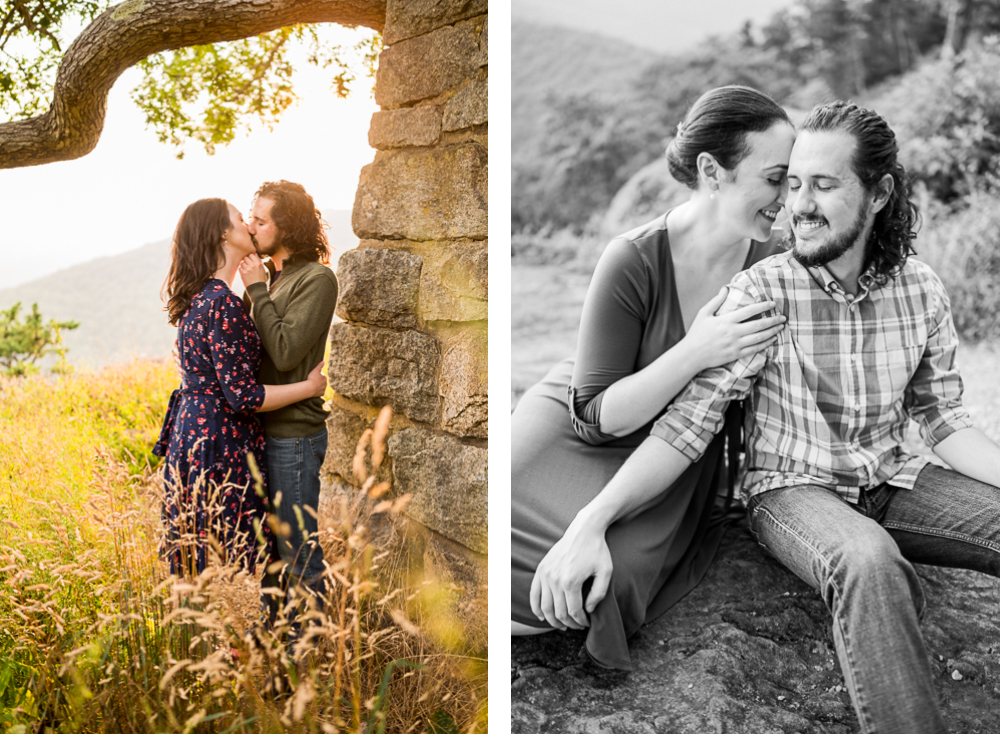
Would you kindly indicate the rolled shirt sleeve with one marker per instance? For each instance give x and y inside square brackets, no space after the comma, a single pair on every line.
[696,415]
[934,394]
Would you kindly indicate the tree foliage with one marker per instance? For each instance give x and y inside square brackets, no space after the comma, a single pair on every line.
[946,116]
[849,46]
[32,40]
[24,342]
[205,93]
[202,93]
[809,52]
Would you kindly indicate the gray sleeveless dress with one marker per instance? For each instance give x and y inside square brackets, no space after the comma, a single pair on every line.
[561,460]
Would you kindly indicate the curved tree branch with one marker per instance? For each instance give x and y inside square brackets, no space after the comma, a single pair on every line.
[127,33]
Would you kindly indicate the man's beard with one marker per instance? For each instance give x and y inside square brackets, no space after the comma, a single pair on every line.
[832,249]
[262,252]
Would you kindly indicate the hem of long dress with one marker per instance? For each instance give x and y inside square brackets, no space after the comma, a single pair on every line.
[626,665]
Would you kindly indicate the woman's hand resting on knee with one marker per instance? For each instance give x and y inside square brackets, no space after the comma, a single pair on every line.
[557,587]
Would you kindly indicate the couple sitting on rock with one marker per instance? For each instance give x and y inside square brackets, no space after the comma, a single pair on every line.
[212,425]
[834,345]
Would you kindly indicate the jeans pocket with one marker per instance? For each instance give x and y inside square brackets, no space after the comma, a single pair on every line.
[317,444]
[753,507]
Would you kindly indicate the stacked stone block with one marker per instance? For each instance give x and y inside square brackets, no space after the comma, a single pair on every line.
[414,293]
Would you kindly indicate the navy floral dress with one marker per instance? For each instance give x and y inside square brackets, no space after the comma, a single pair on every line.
[210,503]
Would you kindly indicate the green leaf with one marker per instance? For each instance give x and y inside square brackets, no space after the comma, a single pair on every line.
[375,722]
[441,722]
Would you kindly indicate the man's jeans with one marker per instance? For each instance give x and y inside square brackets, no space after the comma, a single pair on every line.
[293,485]
[858,558]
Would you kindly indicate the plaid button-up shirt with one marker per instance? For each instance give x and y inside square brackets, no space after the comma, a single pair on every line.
[829,403]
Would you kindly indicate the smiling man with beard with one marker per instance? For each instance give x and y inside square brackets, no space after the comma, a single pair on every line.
[831,492]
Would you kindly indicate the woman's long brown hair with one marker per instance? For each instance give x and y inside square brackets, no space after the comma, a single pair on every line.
[195,255]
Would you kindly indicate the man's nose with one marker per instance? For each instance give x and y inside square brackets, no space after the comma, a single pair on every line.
[801,201]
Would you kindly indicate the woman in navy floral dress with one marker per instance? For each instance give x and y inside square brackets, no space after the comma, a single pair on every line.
[210,503]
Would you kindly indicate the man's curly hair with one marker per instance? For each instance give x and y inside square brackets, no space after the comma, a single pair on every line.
[300,223]
[875,154]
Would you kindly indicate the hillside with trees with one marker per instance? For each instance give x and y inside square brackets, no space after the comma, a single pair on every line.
[929,66]
[599,112]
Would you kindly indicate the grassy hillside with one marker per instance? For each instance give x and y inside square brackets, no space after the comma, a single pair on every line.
[94,636]
[117,300]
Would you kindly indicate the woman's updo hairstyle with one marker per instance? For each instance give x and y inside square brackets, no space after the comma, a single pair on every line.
[718,124]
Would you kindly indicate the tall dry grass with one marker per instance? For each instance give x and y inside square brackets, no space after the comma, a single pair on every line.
[96,636]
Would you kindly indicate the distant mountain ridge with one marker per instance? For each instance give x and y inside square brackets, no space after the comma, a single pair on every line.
[550,63]
[662,27]
[116,299]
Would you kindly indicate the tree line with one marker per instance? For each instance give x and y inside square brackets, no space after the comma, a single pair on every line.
[809,52]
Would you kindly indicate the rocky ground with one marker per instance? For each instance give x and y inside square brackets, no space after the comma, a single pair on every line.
[749,651]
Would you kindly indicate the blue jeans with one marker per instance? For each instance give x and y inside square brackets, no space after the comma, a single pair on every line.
[293,485]
[859,559]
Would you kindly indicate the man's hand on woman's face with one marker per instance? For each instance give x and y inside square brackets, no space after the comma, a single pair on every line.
[252,270]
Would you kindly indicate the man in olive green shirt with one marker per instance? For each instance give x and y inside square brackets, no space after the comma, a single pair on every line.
[291,300]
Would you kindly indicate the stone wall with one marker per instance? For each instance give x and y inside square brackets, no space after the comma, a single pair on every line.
[414,293]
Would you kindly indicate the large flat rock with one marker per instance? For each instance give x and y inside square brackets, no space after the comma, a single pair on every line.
[750,651]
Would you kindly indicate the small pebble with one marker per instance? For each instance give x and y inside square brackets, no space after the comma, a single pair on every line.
[781,698]
[690,685]
[955,675]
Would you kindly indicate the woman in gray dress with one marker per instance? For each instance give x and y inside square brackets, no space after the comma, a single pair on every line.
[649,326]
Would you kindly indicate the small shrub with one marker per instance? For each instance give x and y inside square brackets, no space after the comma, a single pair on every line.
[962,248]
[946,116]
[549,246]
[23,343]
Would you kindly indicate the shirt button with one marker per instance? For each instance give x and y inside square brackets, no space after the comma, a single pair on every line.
[854,357]
[857,407]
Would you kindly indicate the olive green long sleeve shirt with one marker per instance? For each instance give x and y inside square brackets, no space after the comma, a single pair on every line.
[293,319]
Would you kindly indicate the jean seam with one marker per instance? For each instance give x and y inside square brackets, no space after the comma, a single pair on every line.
[298,472]
[801,539]
[862,713]
[938,533]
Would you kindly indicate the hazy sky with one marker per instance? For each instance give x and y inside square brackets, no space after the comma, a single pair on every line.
[659,25]
[131,189]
